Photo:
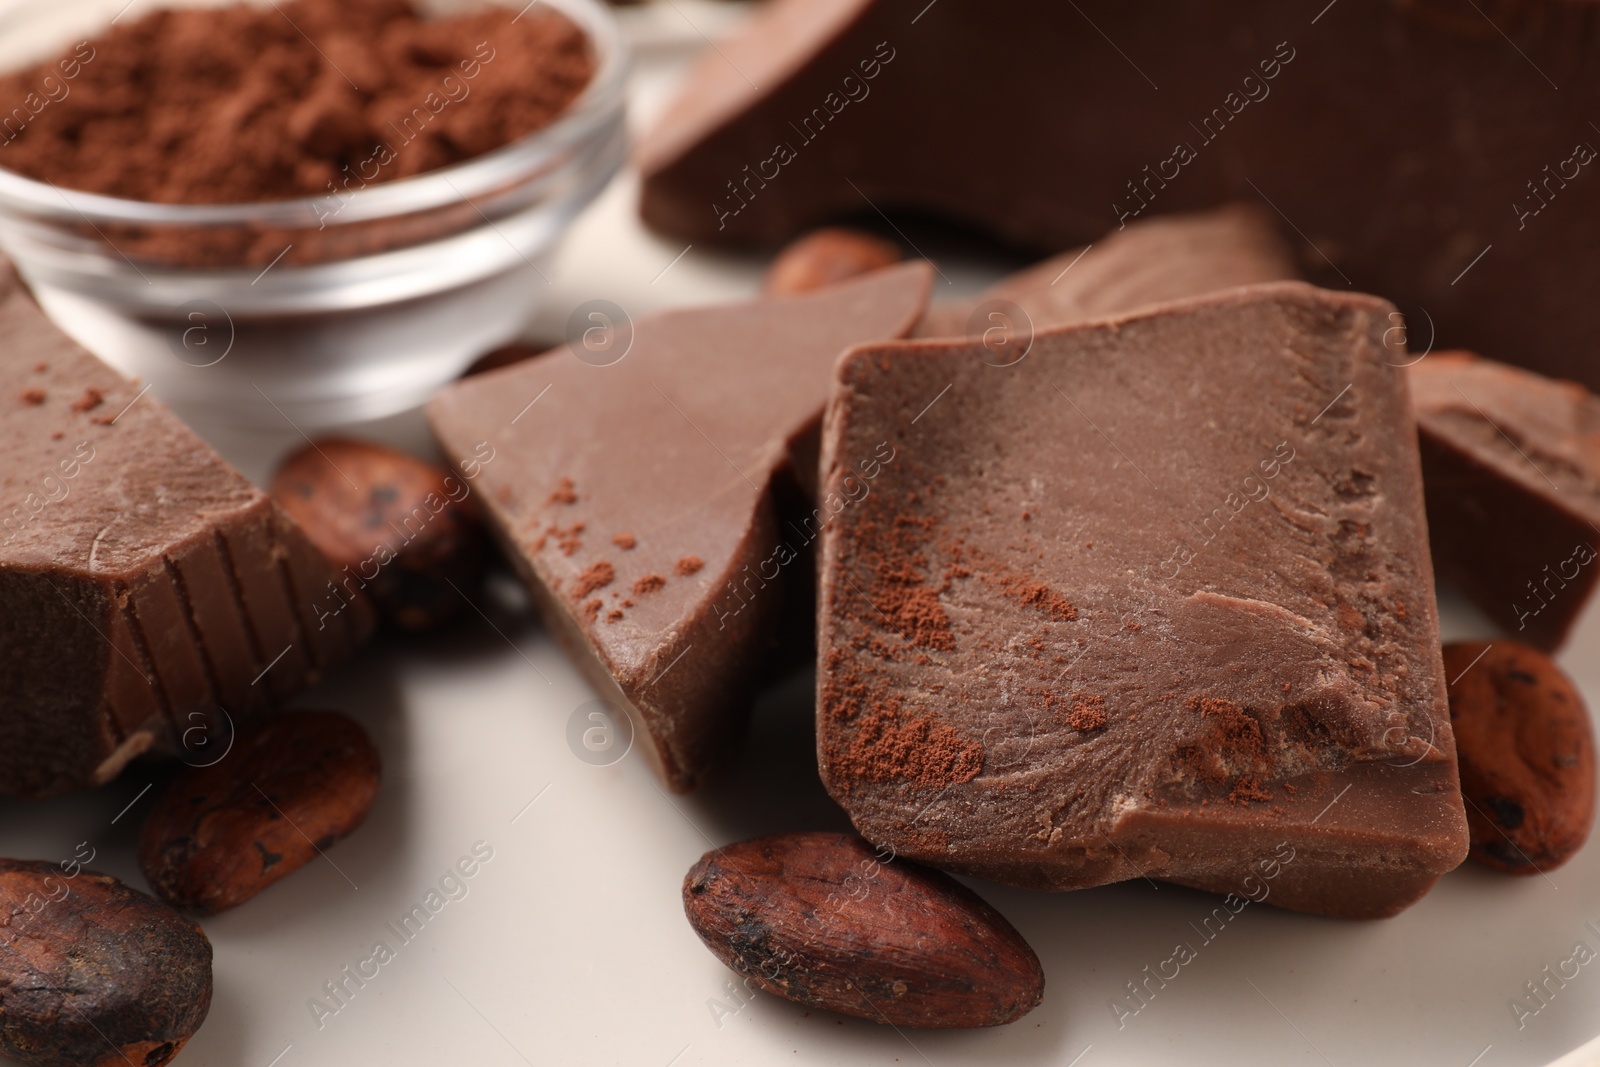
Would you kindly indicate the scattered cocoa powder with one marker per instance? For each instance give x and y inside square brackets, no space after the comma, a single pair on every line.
[569,540]
[1088,712]
[1031,593]
[689,565]
[888,741]
[300,99]
[91,399]
[625,541]
[565,492]
[591,610]
[33,396]
[650,583]
[1232,752]
[597,576]
[614,615]
[888,744]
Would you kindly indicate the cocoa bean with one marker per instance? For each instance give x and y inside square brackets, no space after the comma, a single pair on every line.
[93,972]
[823,920]
[292,784]
[399,529]
[826,256]
[1526,752]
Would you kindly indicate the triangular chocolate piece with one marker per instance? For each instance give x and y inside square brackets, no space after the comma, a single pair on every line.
[646,495]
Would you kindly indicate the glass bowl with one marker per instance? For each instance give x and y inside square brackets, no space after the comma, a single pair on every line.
[328,310]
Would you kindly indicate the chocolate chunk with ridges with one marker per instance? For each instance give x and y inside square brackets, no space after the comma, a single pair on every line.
[1153,601]
[293,783]
[1150,261]
[92,972]
[827,921]
[401,531]
[701,443]
[144,583]
[1352,128]
[1511,465]
[1526,752]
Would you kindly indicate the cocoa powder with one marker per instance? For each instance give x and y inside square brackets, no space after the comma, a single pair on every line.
[597,576]
[305,98]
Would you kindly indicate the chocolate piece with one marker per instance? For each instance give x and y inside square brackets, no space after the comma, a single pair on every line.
[1153,601]
[144,583]
[700,442]
[1511,463]
[1422,147]
[1149,262]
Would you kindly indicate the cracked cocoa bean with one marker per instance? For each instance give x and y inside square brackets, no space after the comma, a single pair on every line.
[293,784]
[93,972]
[403,532]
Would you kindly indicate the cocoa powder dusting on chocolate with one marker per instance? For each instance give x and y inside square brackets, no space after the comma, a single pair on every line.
[569,540]
[900,593]
[1035,594]
[614,615]
[625,541]
[91,399]
[591,610]
[886,740]
[597,576]
[650,583]
[1088,712]
[689,565]
[889,744]
[33,396]
[305,98]
[565,492]
[1232,752]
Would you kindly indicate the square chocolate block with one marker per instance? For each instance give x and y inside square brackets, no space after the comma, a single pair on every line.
[1152,601]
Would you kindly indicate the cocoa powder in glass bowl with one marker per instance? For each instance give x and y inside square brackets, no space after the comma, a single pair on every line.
[304,100]
[412,174]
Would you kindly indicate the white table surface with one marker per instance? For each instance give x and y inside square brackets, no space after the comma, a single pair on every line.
[570,946]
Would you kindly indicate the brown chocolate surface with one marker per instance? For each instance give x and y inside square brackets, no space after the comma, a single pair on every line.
[647,503]
[1511,462]
[1153,601]
[1148,262]
[1424,148]
[144,583]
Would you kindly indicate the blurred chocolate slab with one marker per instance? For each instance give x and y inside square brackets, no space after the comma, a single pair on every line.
[1511,464]
[1150,261]
[1154,601]
[1438,152]
[149,594]
[656,491]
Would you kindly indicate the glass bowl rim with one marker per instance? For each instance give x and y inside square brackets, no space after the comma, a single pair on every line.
[427,191]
